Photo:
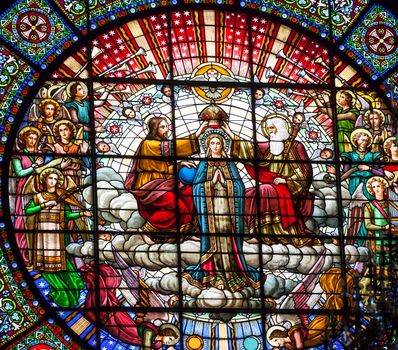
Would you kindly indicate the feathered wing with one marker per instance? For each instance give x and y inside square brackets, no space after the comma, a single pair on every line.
[131,285]
[303,296]
[34,113]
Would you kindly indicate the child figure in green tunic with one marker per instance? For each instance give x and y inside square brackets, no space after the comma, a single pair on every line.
[50,210]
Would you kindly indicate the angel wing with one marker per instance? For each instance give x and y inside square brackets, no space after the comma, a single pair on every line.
[34,113]
[133,284]
[365,106]
[303,293]
[56,92]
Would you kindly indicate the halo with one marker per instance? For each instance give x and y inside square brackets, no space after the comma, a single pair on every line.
[160,115]
[363,131]
[371,111]
[354,98]
[373,179]
[45,172]
[270,330]
[71,126]
[45,101]
[84,86]
[175,329]
[276,116]
[26,129]
[202,69]
[220,132]
[391,139]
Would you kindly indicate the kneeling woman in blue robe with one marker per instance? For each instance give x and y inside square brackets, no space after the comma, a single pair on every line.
[218,193]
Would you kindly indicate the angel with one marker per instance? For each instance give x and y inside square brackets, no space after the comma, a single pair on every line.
[49,114]
[139,331]
[79,107]
[377,123]
[69,145]
[129,111]
[303,334]
[106,146]
[48,92]
[51,209]
[166,92]
[23,166]
[346,113]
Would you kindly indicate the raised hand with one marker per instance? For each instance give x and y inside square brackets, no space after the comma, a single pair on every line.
[202,128]
[65,163]
[227,130]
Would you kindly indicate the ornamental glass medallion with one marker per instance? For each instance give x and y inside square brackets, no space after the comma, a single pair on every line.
[197,180]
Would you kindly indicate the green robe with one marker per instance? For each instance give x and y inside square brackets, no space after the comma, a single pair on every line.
[50,256]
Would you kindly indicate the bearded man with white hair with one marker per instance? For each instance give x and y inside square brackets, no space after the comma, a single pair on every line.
[283,171]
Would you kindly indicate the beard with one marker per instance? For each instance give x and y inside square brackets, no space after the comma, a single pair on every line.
[276,144]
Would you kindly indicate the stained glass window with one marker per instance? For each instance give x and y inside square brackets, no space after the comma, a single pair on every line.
[179,175]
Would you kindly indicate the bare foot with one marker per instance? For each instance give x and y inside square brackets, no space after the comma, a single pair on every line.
[252,240]
[147,240]
[221,287]
[194,238]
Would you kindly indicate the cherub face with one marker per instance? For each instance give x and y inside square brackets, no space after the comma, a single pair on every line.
[326,154]
[129,113]
[258,94]
[167,91]
[103,147]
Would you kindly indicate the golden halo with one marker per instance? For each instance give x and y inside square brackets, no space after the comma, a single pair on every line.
[200,92]
[275,116]
[84,86]
[371,111]
[391,139]
[45,173]
[270,330]
[363,131]
[160,115]
[52,89]
[50,101]
[354,98]
[374,179]
[174,328]
[67,122]
[26,129]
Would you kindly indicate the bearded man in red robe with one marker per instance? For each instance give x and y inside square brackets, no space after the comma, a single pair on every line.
[164,202]
[277,208]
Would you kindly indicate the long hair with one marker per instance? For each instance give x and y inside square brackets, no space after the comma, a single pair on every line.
[153,126]
[219,137]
